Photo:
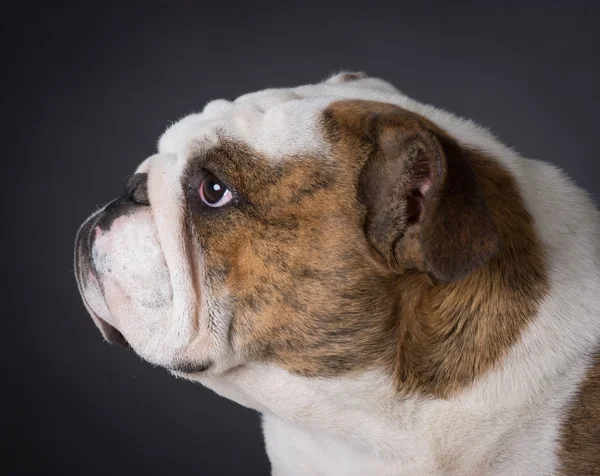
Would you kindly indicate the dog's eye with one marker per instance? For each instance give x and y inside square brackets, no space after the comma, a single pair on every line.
[213,192]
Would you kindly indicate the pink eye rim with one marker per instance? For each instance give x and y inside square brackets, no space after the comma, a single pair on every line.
[214,193]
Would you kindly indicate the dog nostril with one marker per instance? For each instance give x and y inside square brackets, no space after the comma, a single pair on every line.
[136,189]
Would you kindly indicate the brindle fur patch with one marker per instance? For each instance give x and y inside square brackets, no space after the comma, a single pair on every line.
[306,289]
[580,435]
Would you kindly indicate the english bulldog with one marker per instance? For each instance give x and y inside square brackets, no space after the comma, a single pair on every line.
[391,287]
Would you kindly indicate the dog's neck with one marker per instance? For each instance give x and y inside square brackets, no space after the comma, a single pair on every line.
[364,418]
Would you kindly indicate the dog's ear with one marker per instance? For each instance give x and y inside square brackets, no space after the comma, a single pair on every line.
[424,206]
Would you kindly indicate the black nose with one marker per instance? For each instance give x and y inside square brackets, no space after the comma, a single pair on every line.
[136,189]
[136,193]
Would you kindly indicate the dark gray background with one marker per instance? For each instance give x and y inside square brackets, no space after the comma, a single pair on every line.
[87,93]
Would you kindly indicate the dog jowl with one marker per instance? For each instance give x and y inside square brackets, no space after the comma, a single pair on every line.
[386,283]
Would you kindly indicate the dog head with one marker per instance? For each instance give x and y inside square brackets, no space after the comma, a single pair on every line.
[325,229]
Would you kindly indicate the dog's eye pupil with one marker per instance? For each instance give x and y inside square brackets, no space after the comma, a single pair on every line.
[213,192]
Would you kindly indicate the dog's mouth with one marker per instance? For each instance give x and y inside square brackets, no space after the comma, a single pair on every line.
[88,284]
[91,291]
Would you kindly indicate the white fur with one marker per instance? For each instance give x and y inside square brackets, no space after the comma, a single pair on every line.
[506,424]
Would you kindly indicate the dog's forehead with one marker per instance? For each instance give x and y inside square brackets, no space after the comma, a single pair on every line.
[276,122]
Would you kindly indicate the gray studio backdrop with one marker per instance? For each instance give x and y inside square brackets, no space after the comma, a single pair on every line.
[90,89]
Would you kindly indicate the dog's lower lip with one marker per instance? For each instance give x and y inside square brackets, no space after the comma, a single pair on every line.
[191,367]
